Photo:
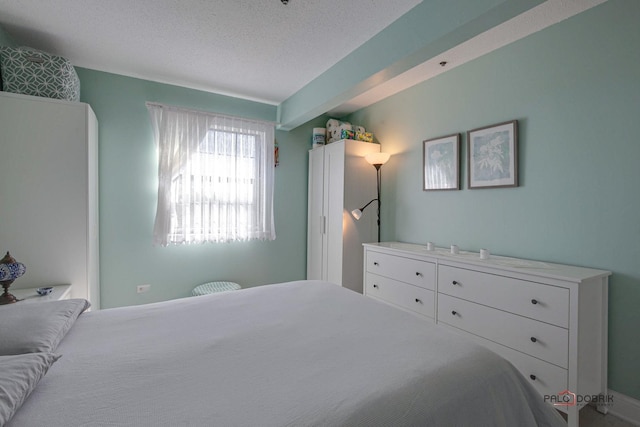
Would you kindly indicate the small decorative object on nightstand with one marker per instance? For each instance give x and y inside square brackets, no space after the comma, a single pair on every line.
[10,270]
[44,291]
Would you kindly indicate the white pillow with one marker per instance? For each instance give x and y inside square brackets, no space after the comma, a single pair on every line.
[20,376]
[38,327]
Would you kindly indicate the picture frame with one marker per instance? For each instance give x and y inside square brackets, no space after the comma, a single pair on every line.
[441,163]
[492,156]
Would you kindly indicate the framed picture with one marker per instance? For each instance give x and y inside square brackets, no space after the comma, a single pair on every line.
[492,156]
[441,163]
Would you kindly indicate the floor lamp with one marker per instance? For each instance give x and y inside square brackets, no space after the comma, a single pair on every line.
[377,160]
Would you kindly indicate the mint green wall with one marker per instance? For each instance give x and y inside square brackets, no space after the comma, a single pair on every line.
[575,90]
[5,38]
[128,189]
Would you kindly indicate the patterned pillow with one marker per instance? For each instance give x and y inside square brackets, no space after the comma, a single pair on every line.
[32,72]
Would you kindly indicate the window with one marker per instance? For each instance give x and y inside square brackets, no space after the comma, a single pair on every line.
[215,177]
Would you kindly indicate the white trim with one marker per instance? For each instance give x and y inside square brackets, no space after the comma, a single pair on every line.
[625,407]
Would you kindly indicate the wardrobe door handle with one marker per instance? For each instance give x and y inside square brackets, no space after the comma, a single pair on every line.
[376,263]
[418,274]
[419,300]
[533,377]
[455,283]
[375,286]
[534,301]
[534,339]
[455,313]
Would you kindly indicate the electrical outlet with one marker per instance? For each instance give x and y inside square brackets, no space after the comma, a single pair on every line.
[142,288]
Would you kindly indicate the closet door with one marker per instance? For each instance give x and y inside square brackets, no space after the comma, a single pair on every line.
[334,160]
[315,216]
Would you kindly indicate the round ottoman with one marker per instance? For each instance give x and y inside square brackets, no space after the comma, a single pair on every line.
[213,287]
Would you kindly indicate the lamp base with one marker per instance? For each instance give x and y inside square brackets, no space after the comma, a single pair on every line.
[7,298]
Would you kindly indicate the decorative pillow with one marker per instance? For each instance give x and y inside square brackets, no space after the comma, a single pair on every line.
[38,327]
[20,376]
[334,129]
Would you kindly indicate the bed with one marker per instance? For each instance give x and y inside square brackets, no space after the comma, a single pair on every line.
[305,353]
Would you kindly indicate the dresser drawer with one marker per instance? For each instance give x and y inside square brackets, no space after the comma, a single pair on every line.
[541,340]
[546,303]
[547,379]
[413,298]
[416,272]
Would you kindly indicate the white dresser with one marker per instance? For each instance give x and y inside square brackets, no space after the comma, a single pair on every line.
[548,320]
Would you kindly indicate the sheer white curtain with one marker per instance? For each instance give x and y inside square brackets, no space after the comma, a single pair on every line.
[215,177]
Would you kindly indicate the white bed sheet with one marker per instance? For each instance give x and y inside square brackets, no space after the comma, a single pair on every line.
[294,354]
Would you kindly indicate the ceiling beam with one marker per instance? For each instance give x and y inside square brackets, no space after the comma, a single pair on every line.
[427,30]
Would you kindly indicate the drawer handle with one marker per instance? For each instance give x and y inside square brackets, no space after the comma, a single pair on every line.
[418,300]
[533,377]
[455,313]
[376,264]
[455,283]
[534,301]
[534,339]
[418,274]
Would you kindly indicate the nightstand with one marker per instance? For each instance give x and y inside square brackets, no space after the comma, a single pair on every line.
[30,295]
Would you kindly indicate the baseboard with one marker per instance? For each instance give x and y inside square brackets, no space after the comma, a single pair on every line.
[625,407]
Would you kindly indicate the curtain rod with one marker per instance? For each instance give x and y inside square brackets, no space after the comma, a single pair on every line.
[188,110]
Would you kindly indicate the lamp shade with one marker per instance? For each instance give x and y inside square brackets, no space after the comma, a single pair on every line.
[357,213]
[377,158]
[10,269]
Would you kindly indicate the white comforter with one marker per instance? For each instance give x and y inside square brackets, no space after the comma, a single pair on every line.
[293,354]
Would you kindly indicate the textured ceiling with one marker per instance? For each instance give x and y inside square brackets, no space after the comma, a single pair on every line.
[254,49]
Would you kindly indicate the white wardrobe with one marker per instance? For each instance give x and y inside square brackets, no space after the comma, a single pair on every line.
[49,192]
[340,180]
